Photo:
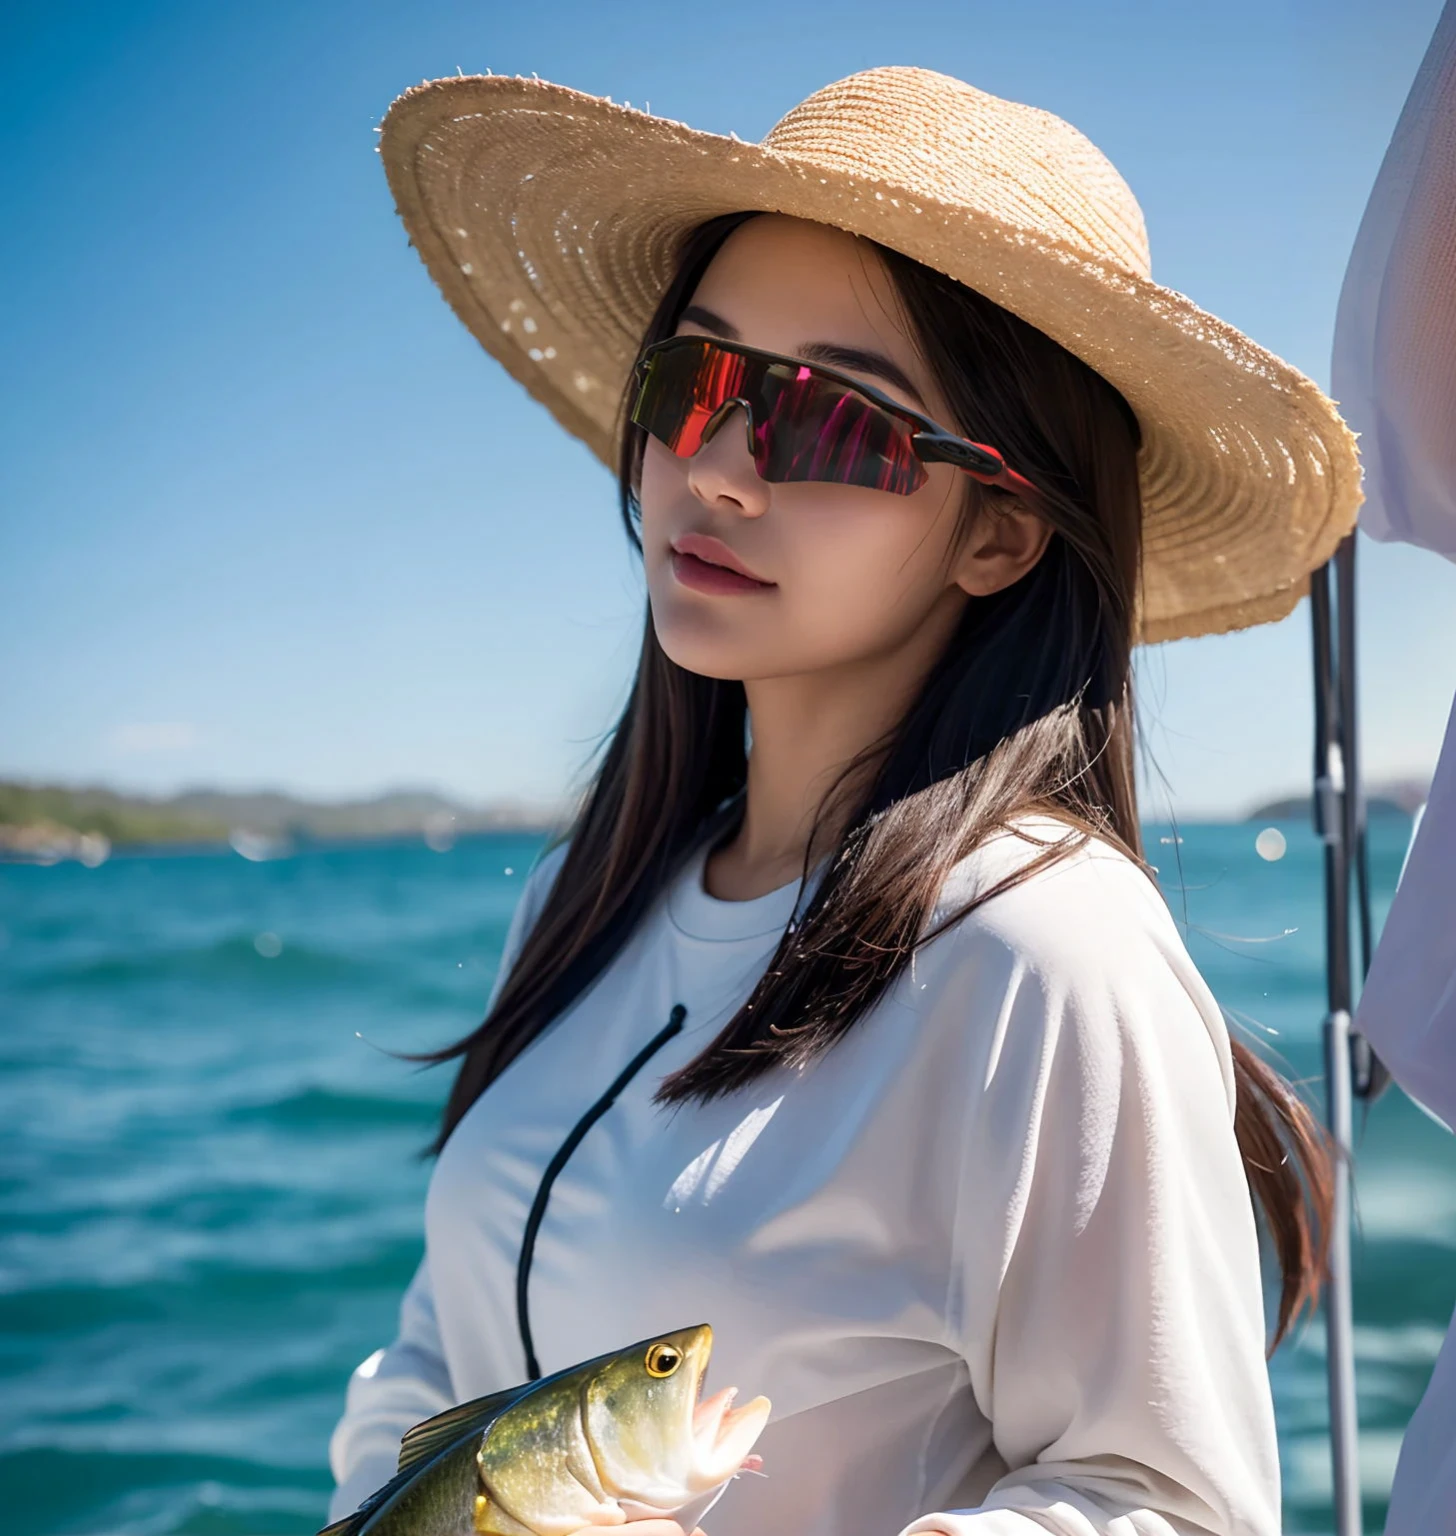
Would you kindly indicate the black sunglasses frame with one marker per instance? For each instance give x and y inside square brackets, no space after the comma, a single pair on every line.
[930,441]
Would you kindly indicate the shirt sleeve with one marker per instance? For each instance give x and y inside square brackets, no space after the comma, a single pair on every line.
[1106,1290]
[399,1386]
[388,1394]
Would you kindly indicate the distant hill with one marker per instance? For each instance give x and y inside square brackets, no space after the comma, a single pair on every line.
[398,812]
[51,821]
[39,817]
[1392,797]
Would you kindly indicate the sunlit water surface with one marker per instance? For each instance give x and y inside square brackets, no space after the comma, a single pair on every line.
[210,1199]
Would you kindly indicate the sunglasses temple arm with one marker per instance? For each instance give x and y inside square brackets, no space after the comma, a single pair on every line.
[1009,480]
[977,460]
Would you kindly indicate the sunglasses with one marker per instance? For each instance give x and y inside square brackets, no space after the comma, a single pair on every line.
[805,422]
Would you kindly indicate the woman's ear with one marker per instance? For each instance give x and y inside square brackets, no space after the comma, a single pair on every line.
[1006,539]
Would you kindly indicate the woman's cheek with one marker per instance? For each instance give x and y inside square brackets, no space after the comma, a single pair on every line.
[662,483]
[838,604]
[860,582]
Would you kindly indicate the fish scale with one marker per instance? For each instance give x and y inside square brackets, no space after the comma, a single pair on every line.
[537,1456]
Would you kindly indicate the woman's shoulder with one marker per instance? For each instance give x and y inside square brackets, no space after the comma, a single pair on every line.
[1085,940]
[529,905]
[1039,868]
[1069,906]
[542,876]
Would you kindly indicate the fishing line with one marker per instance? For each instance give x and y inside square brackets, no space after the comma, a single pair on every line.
[558,1162]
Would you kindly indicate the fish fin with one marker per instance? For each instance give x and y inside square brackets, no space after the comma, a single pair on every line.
[353,1525]
[419,1446]
[433,1435]
[688,1515]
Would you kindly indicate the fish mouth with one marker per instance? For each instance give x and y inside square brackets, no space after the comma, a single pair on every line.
[723,1435]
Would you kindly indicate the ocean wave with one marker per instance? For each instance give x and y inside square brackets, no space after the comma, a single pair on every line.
[212,1293]
[231,960]
[163,1493]
[328,1109]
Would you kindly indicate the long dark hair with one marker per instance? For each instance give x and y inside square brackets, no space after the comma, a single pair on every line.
[1029,708]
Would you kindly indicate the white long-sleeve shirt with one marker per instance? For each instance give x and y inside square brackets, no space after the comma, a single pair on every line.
[992,1257]
[1395,374]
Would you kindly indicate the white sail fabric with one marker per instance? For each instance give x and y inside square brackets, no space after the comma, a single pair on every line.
[1408,1007]
[1395,376]
[1394,368]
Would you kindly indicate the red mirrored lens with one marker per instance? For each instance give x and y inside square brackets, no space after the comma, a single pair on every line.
[804,426]
[684,386]
[813,428]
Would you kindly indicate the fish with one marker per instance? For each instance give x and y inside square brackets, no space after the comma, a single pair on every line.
[622,1437]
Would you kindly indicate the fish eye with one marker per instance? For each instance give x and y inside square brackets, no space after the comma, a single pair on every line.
[663,1360]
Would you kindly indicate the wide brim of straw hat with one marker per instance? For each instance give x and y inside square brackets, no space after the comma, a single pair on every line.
[552,220]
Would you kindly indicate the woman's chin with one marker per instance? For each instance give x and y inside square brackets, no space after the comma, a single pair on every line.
[710,647]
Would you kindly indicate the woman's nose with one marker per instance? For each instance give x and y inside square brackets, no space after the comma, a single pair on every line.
[722,473]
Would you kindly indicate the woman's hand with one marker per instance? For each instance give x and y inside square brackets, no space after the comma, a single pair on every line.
[657,1528]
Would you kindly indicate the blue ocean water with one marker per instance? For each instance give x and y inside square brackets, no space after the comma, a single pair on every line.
[211,1199]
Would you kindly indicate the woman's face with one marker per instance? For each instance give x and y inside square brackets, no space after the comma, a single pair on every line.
[836,576]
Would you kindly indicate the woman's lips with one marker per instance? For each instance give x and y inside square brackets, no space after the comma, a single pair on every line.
[707,565]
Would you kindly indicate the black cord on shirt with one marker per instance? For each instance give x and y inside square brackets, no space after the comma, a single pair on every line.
[558,1162]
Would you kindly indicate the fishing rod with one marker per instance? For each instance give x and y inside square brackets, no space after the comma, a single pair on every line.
[1352,1070]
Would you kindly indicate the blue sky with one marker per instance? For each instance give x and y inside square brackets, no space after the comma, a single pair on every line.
[268,516]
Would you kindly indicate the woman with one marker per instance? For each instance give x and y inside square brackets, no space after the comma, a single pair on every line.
[847,1017]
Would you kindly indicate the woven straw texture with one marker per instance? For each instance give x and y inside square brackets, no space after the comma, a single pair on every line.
[551,220]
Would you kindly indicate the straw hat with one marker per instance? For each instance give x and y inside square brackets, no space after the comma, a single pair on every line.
[551,220]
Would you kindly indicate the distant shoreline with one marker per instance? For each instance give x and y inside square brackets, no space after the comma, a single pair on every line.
[212,850]
[1400,797]
[46,823]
